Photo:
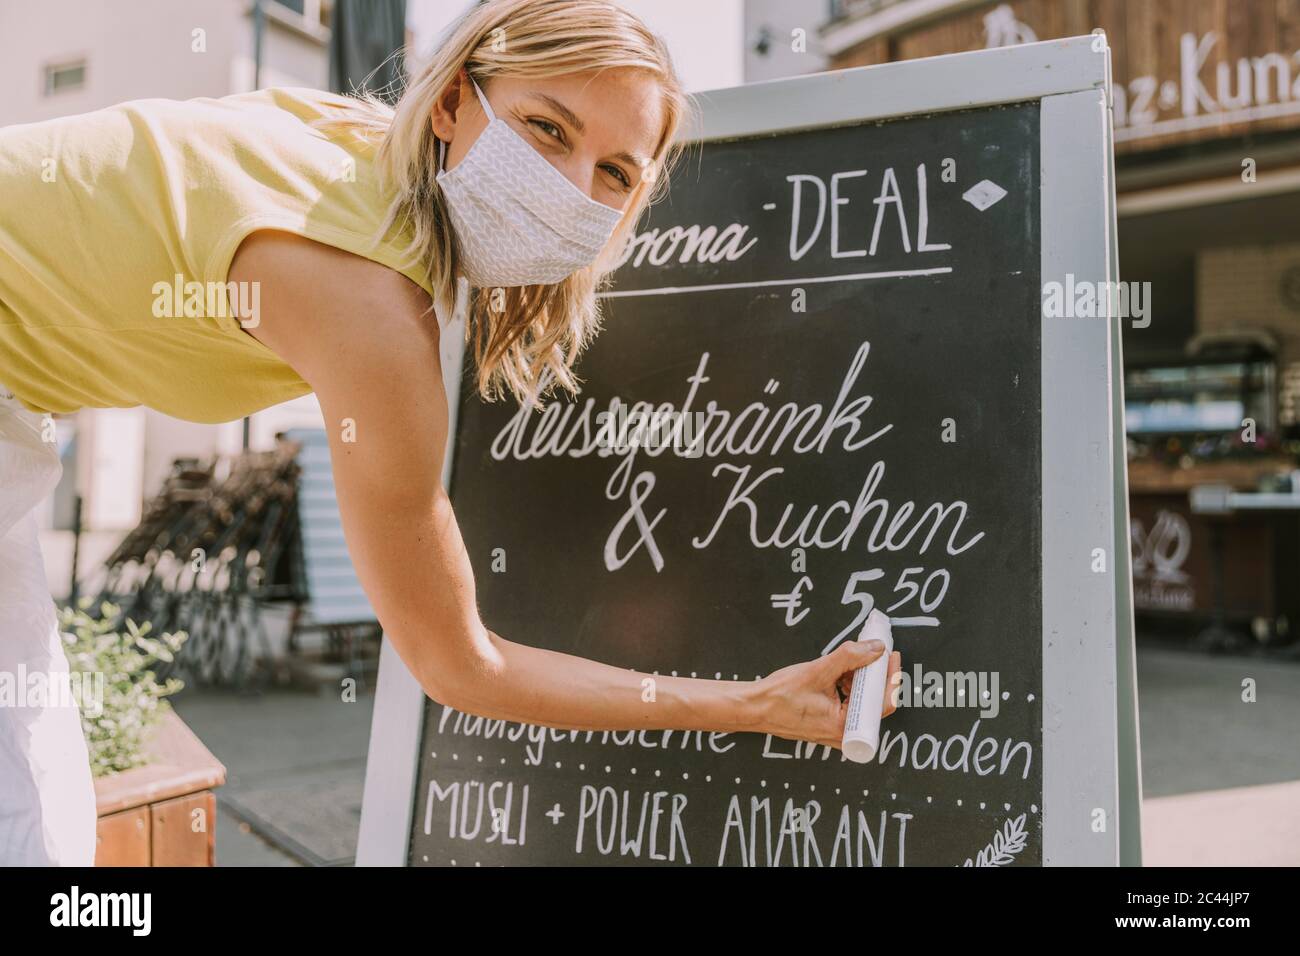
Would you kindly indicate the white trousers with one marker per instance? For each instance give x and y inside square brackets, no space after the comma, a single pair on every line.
[47,799]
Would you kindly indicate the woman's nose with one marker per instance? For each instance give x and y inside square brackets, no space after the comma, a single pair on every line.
[583,172]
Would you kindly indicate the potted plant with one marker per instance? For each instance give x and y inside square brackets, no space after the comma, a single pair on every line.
[153,777]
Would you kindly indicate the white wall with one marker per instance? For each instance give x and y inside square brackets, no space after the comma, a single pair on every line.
[109,464]
[141,48]
[428,20]
[705,37]
[777,20]
[132,50]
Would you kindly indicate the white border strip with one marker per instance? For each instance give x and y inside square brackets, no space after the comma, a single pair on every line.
[1129,747]
[958,81]
[1079,621]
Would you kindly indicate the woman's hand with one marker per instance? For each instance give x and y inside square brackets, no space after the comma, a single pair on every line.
[809,701]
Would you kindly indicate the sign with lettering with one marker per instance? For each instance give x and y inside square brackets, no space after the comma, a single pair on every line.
[1160,551]
[1185,70]
[820,390]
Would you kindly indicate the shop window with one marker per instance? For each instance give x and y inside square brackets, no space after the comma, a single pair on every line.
[65,77]
[1205,403]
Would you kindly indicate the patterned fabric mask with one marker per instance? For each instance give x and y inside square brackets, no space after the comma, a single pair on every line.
[518,219]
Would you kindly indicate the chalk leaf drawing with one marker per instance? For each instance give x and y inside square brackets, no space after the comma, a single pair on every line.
[1007,842]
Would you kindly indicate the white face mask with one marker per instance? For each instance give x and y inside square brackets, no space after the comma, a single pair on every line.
[518,218]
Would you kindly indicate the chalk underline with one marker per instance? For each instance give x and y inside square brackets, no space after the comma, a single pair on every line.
[855,277]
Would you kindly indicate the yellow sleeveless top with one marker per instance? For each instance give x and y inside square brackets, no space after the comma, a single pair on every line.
[117,228]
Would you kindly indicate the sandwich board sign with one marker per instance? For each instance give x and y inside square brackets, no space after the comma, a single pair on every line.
[834,375]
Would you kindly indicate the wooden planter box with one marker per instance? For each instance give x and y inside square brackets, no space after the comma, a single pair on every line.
[164,813]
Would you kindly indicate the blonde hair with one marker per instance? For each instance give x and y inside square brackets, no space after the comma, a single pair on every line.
[525,339]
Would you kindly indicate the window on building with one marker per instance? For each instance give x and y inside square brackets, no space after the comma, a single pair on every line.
[314,13]
[62,77]
[845,9]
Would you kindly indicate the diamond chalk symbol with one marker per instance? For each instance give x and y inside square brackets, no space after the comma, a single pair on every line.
[984,194]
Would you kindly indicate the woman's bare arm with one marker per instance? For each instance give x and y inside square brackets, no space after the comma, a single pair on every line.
[359,334]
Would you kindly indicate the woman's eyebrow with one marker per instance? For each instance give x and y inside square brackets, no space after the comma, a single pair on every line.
[567,114]
[640,162]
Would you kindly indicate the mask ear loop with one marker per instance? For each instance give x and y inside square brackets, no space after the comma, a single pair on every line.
[483,101]
[487,108]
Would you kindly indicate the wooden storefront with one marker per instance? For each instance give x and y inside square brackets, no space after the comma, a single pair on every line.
[1184,70]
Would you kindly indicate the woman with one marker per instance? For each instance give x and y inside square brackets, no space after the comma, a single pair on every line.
[335,232]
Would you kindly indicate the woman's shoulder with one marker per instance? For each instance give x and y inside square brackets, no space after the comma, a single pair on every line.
[331,272]
[269,160]
[315,292]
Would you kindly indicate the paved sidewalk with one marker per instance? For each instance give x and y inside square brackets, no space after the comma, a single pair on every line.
[295,763]
[1244,826]
[1221,776]
[1197,733]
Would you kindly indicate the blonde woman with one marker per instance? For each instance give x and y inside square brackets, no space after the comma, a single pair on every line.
[519,159]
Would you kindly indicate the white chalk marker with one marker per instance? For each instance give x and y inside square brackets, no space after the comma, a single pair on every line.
[867,698]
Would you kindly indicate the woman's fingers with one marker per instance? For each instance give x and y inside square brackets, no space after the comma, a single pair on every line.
[848,657]
[803,690]
[891,682]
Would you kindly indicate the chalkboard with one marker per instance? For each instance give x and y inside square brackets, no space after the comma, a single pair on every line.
[820,387]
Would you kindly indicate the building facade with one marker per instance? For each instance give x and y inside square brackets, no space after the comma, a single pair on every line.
[1206,106]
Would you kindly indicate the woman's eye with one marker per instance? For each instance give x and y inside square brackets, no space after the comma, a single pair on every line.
[619,175]
[550,129]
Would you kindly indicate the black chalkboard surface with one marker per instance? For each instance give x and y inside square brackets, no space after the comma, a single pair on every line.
[861,330]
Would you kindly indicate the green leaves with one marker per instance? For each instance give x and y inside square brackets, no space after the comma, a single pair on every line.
[124,653]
